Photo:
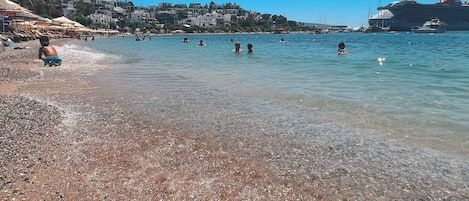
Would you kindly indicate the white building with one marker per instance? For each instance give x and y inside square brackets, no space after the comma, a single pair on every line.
[208,19]
[141,16]
[101,19]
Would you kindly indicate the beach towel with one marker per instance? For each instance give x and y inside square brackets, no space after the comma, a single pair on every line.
[52,61]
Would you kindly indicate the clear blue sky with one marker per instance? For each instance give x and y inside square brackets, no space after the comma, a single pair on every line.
[339,12]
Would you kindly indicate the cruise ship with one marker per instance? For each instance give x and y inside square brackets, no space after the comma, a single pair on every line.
[404,15]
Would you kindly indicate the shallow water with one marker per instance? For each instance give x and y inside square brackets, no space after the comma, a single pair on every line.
[417,94]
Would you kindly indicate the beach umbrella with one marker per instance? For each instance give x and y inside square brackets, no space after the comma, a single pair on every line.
[178,31]
[26,24]
[15,11]
[66,22]
[54,27]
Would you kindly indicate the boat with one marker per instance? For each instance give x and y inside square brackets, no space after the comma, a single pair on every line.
[375,29]
[431,26]
[404,15]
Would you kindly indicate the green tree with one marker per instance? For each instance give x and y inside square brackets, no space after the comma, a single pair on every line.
[292,23]
[44,8]
[83,8]
[212,6]
[112,25]
[83,20]
[181,15]
[266,18]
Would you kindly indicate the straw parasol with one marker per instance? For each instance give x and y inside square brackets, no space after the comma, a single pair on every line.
[54,27]
[17,12]
[178,31]
[26,24]
[64,21]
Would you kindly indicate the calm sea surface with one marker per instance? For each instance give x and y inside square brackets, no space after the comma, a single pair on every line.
[408,87]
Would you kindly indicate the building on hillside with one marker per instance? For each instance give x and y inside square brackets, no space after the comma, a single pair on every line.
[195,5]
[99,19]
[164,5]
[68,6]
[208,19]
[167,17]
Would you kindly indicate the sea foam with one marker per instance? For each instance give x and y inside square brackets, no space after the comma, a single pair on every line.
[78,56]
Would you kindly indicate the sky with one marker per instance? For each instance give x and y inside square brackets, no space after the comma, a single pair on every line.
[352,13]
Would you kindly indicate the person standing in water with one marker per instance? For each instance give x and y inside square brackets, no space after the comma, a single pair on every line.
[201,43]
[250,48]
[237,47]
[341,48]
[51,57]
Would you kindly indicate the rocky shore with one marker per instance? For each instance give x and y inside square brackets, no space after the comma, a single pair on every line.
[26,124]
[66,135]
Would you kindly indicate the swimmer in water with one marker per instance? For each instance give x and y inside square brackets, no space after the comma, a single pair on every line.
[250,48]
[201,43]
[237,47]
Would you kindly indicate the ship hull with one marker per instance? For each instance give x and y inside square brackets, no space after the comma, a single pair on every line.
[406,16]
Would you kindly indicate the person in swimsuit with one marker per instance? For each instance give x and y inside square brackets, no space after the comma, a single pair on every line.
[250,48]
[51,57]
[341,48]
[201,43]
[237,47]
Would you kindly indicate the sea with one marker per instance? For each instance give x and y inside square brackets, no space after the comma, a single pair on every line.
[408,88]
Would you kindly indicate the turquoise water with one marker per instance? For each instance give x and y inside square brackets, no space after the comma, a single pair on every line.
[409,87]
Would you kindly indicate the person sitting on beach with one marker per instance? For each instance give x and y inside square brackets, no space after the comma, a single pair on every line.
[250,48]
[6,41]
[51,57]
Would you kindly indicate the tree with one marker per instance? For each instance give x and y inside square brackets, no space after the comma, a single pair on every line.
[83,20]
[212,6]
[228,6]
[279,19]
[266,18]
[292,23]
[181,15]
[44,8]
[112,25]
[84,9]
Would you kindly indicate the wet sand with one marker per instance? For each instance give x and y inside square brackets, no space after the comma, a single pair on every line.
[67,135]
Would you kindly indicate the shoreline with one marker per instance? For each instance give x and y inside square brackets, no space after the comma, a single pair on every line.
[102,145]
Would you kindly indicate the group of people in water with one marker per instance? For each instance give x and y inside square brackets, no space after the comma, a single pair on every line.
[143,39]
[51,57]
[237,45]
[340,50]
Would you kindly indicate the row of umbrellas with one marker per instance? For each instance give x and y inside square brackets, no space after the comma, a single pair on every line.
[24,18]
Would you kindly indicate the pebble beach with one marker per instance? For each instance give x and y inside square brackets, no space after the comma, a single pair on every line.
[66,135]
